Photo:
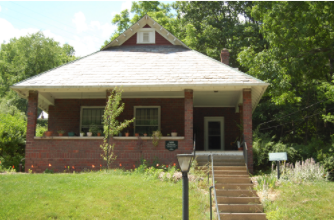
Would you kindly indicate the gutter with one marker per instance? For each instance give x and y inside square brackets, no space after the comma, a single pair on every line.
[185,85]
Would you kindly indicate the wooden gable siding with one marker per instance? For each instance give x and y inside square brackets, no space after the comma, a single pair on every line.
[159,40]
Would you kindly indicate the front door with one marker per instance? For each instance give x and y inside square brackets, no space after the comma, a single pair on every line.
[214,133]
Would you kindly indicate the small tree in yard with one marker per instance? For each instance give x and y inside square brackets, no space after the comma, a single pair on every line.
[111,126]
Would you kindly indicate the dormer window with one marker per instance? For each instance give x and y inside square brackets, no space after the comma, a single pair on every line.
[146,36]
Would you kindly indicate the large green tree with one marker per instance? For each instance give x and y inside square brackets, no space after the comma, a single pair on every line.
[28,56]
[211,26]
[298,63]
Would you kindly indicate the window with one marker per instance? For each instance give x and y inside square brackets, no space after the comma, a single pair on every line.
[91,115]
[146,36]
[147,119]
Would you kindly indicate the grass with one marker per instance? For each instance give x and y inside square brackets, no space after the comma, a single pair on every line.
[95,196]
[302,201]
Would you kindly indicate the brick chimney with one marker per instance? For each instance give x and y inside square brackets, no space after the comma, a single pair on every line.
[225,56]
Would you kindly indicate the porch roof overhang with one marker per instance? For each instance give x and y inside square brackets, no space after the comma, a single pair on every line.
[214,95]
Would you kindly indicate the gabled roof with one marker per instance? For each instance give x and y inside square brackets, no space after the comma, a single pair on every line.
[145,20]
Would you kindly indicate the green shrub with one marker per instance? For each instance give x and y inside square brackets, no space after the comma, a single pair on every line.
[12,138]
[328,164]
[263,144]
[40,129]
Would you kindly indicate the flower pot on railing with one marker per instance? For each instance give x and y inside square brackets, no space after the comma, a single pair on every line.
[174,134]
[89,134]
[48,133]
[241,148]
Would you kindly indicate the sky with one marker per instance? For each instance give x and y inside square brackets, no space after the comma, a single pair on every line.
[85,25]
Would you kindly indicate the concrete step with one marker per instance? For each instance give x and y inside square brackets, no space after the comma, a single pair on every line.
[231,172]
[224,168]
[240,208]
[243,216]
[224,163]
[232,179]
[229,175]
[243,168]
[236,193]
[238,200]
[239,186]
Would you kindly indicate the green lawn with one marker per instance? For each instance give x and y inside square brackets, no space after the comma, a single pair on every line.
[94,196]
[302,201]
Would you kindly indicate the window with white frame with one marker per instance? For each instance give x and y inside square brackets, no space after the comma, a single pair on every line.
[147,119]
[91,115]
[146,36]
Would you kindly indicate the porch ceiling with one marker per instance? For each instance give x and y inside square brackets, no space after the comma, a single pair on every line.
[216,99]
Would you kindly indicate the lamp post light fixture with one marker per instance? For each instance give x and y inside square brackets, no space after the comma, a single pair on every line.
[185,163]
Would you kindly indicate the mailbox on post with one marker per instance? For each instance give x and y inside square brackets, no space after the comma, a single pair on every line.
[280,156]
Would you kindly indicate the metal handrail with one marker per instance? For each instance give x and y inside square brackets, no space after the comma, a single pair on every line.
[214,190]
[245,152]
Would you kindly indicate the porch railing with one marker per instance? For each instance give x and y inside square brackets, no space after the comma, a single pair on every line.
[245,151]
[214,192]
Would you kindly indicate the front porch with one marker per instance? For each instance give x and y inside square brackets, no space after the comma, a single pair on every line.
[187,112]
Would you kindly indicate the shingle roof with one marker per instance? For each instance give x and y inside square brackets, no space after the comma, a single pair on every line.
[141,65]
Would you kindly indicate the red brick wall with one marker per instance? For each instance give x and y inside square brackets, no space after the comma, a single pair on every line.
[159,40]
[80,153]
[247,123]
[230,128]
[65,114]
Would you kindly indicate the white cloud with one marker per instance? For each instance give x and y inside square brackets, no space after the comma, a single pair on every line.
[126,5]
[91,34]
[80,22]
[8,31]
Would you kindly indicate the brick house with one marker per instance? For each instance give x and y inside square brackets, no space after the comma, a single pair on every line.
[166,85]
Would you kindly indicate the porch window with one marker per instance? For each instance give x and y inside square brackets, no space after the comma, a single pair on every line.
[91,115]
[147,119]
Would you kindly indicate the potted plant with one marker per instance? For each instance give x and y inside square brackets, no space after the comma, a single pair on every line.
[82,134]
[89,133]
[174,133]
[156,136]
[93,129]
[145,134]
[71,133]
[127,134]
[99,132]
[61,132]
[48,133]
[137,134]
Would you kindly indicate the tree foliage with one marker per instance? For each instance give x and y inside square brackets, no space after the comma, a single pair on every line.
[111,125]
[26,57]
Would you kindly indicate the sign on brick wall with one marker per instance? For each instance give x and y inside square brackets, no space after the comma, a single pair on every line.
[171,145]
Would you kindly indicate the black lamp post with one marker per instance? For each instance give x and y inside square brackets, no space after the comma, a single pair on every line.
[184,163]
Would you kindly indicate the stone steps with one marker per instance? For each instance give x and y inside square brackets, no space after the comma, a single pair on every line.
[236,198]
[243,216]
[236,193]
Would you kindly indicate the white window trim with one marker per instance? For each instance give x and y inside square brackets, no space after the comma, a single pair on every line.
[140,35]
[159,115]
[81,109]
